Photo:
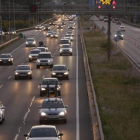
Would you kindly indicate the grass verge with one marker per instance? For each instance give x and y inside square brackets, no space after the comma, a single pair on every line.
[117,87]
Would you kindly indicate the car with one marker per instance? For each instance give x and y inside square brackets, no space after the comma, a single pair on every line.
[118,23]
[63,23]
[52,109]
[39,27]
[30,42]
[6,58]
[2,33]
[42,44]
[43,132]
[59,26]
[50,86]
[68,36]
[51,23]
[122,28]
[64,41]
[119,35]
[54,35]
[49,33]
[44,59]
[23,71]
[46,27]
[65,49]
[33,54]
[12,32]
[72,23]
[71,27]
[70,32]
[42,49]
[2,113]
[60,71]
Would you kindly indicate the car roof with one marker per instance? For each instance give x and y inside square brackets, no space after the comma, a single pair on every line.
[43,126]
[45,53]
[23,65]
[122,26]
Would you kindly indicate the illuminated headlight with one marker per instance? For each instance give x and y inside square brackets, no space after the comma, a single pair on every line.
[71,37]
[61,114]
[43,114]
[0,60]
[16,73]
[115,35]
[30,56]
[49,61]
[26,42]
[56,35]
[61,50]
[34,42]
[43,89]
[29,73]
[47,34]
[38,60]
[70,50]
[51,35]
[9,60]
[66,73]
[53,73]
[121,35]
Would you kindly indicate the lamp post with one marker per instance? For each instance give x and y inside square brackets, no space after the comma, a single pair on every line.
[1,22]
[14,13]
[9,20]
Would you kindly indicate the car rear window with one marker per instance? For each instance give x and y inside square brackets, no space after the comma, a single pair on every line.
[66,46]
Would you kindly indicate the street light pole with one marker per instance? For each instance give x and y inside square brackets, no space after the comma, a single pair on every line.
[1,22]
[9,19]
[14,13]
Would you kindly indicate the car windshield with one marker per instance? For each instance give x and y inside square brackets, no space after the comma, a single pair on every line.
[38,25]
[49,32]
[43,132]
[52,104]
[59,68]
[30,39]
[121,27]
[64,42]
[50,82]
[23,68]
[67,35]
[44,56]
[5,56]
[70,32]
[42,49]
[66,46]
[35,52]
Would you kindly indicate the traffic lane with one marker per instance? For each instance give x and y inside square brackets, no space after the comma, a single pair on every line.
[68,90]
[21,89]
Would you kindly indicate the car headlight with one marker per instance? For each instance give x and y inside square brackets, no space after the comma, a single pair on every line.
[121,35]
[53,73]
[34,42]
[38,60]
[66,73]
[49,61]
[9,60]
[0,60]
[43,89]
[26,42]
[43,114]
[115,35]
[51,35]
[61,50]
[29,72]
[16,73]
[30,56]
[70,50]
[61,114]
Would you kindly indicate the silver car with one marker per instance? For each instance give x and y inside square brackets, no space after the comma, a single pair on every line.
[42,49]
[23,71]
[64,42]
[60,71]
[43,132]
[52,109]
[39,27]
[6,58]
[54,35]
[30,42]
[65,49]
[44,59]
[70,37]
[69,33]
[50,86]
[34,54]
[49,33]
[2,113]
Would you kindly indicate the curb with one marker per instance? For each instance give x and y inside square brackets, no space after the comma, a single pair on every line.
[95,117]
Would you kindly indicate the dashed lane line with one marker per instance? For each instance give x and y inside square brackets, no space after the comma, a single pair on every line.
[9,77]
[1,86]
[16,137]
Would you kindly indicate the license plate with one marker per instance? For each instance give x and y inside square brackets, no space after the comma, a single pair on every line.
[4,61]
[59,75]
[43,63]
[53,116]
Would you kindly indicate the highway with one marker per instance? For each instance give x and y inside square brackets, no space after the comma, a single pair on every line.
[131,43]
[21,97]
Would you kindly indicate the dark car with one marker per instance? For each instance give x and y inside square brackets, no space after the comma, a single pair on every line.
[46,27]
[60,71]
[50,86]
[119,35]
[23,71]
[33,54]
[118,23]
[59,26]
[6,59]
[52,109]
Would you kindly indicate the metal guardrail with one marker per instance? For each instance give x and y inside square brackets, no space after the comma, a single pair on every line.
[72,9]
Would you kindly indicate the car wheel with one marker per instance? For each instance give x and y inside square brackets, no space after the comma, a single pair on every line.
[65,121]
[60,54]
[41,94]
[16,78]
[38,67]
[59,93]
[67,77]
[30,77]
[71,54]
[29,60]
[51,66]
[4,119]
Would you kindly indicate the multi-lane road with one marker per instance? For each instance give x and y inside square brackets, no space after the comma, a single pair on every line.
[21,97]
[131,43]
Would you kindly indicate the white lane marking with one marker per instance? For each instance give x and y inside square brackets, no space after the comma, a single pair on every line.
[22,63]
[25,116]
[43,76]
[38,86]
[9,77]
[47,69]
[1,86]
[77,92]
[16,137]
[33,99]
[23,44]
[19,129]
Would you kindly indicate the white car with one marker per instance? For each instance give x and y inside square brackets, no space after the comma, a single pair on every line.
[30,42]
[2,33]
[2,113]
[64,42]
[122,28]
[43,132]
[39,27]
[68,36]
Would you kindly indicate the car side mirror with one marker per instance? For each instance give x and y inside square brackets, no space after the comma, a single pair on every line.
[25,135]
[66,106]
[39,107]
[60,83]
[68,69]
[60,134]
[3,107]
[50,69]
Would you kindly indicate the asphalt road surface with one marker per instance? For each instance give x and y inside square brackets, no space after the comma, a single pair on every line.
[131,43]
[21,97]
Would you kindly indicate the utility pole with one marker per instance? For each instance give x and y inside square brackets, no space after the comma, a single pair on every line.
[9,20]
[1,22]
[108,48]
[14,13]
